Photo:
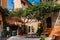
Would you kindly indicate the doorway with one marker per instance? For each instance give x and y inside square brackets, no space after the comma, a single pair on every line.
[49,22]
[14,29]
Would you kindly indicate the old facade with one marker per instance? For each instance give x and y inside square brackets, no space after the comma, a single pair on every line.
[18,21]
[52,23]
[49,22]
[3,3]
[20,4]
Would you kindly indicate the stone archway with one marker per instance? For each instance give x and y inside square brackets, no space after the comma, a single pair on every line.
[48,27]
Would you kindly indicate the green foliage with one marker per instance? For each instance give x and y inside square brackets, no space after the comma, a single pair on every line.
[57,8]
[17,12]
[49,6]
[4,14]
[36,11]
[5,33]
[25,29]
[32,29]
[43,36]
[1,9]
[40,29]
[8,32]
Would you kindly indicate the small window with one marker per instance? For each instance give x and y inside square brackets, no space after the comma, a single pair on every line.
[29,28]
[23,4]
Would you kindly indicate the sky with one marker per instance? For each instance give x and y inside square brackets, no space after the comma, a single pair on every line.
[10,5]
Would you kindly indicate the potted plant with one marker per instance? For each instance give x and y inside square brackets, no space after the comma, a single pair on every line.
[40,29]
[43,37]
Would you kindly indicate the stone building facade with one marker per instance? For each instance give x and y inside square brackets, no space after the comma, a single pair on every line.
[3,4]
[20,4]
[52,23]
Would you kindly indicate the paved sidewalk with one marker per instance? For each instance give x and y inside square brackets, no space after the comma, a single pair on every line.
[21,38]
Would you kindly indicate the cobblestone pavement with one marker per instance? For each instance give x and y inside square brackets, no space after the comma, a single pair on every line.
[21,38]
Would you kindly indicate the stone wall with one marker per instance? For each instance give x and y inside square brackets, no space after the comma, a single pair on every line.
[1,24]
[4,3]
[17,4]
[53,16]
[56,28]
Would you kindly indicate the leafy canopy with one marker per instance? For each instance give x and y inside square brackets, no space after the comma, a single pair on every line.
[37,11]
